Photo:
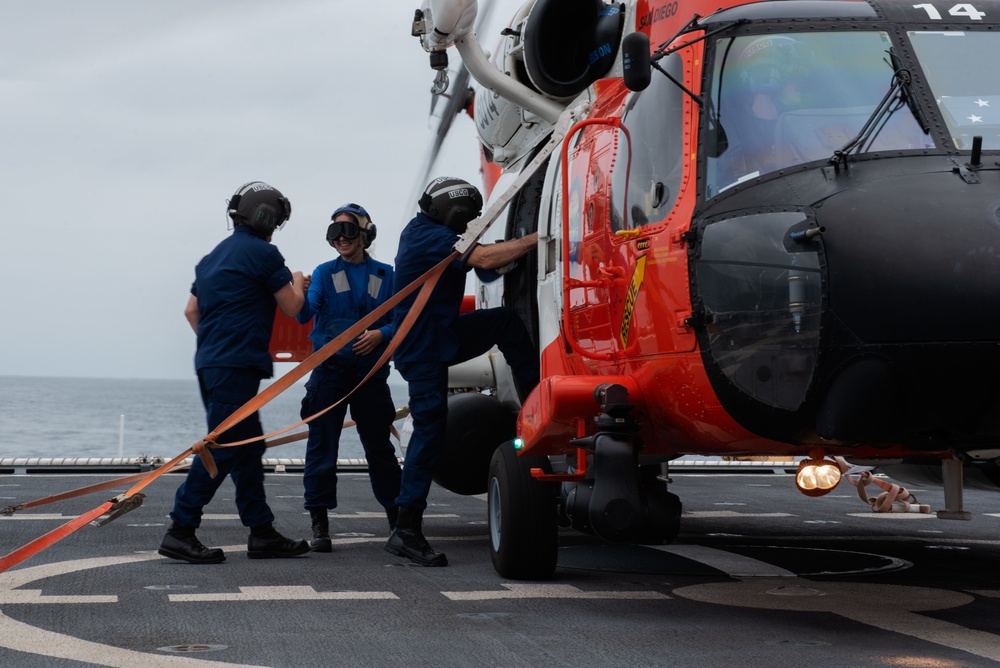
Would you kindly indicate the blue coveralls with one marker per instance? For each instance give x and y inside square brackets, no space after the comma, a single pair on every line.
[235,286]
[340,294]
[439,338]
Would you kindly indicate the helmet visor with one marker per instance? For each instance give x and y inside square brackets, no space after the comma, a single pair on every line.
[347,229]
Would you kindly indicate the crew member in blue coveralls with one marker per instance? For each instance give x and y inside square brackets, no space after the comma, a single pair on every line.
[341,292]
[441,337]
[231,309]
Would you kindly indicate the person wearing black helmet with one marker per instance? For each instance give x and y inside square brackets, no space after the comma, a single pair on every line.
[441,337]
[231,309]
[341,292]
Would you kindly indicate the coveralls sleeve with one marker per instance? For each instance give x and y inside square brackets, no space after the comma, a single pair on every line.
[314,299]
[389,328]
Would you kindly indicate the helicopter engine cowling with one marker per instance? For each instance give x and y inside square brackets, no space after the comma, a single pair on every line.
[557,48]
[570,44]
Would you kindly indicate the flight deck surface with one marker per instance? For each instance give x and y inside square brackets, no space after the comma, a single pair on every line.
[760,575]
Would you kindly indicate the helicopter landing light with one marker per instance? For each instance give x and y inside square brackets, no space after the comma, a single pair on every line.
[817,476]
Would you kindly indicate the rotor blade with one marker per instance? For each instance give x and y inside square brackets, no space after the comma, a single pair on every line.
[446,106]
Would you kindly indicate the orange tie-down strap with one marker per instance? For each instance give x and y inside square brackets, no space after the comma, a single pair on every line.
[132,498]
[125,480]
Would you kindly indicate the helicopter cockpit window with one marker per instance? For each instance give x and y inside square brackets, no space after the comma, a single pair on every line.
[650,177]
[761,301]
[965,82]
[780,100]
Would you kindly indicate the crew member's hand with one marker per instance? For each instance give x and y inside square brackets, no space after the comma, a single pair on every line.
[306,282]
[367,342]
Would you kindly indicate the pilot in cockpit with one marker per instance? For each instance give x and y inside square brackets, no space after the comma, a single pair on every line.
[769,77]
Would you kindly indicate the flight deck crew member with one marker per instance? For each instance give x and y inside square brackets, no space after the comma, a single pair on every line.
[231,309]
[341,292]
[441,337]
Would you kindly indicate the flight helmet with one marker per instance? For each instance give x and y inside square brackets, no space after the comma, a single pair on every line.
[260,207]
[451,202]
[768,62]
[362,225]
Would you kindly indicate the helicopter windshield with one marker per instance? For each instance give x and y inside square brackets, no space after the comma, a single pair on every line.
[780,100]
[965,83]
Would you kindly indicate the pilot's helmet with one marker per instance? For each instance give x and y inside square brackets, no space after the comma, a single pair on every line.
[769,62]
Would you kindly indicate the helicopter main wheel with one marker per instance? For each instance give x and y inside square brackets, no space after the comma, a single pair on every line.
[476,423]
[522,516]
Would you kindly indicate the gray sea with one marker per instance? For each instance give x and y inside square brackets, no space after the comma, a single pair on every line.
[106,417]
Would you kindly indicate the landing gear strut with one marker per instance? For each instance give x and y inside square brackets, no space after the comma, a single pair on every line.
[620,502]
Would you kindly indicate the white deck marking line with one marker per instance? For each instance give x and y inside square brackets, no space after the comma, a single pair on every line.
[365,515]
[734,565]
[22,637]
[521,591]
[895,613]
[339,516]
[987,593]
[894,516]
[297,593]
[708,514]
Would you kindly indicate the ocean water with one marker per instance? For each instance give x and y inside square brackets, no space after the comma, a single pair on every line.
[82,417]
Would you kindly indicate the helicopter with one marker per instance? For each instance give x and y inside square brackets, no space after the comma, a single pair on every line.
[766,228]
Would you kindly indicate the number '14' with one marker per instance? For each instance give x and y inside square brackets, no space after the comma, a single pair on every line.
[958,10]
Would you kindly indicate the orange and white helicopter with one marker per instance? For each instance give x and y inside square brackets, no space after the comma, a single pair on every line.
[765,228]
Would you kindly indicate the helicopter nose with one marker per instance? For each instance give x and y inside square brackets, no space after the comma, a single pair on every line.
[913,310]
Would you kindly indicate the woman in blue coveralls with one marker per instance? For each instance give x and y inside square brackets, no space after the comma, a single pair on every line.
[341,292]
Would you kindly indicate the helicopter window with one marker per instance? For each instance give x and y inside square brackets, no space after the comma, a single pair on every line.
[645,183]
[761,299]
[965,82]
[780,100]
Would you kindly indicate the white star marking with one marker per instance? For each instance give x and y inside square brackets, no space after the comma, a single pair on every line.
[975,119]
[983,103]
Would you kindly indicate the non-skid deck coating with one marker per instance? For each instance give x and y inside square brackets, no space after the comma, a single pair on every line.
[760,575]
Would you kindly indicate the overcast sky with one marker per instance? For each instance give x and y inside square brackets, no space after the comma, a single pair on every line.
[126,125]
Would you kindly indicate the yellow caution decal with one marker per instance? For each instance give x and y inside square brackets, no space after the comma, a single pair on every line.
[633,293]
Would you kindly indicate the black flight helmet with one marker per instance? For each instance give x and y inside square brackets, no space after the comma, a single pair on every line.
[451,202]
[260,207]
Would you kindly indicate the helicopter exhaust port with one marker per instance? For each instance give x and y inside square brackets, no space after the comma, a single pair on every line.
[619,502]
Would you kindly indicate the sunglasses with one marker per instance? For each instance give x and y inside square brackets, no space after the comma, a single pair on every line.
[347,229]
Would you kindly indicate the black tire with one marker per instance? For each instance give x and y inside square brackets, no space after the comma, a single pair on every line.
[477,424]
[521,511]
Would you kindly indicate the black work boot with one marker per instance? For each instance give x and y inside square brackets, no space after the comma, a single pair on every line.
[392,514]
[321,531]
[180,543]
[266,543]
[407,540]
